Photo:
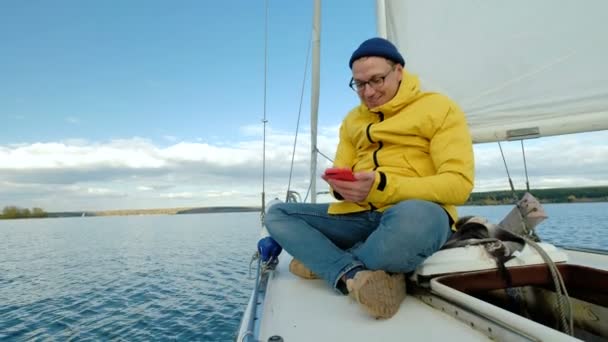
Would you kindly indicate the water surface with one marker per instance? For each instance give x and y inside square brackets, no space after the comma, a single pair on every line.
[182,277]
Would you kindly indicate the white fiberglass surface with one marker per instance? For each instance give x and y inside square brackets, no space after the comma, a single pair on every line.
[309,310]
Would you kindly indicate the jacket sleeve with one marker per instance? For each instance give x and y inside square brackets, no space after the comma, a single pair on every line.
[451,150]
[345,154]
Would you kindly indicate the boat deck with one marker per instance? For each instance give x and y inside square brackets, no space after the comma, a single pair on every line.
[314,312]
[296,309]
[594,258]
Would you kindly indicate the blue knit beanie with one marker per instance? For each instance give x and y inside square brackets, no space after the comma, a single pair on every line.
[378,47]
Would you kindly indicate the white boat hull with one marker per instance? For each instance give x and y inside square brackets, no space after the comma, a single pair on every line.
[296,309]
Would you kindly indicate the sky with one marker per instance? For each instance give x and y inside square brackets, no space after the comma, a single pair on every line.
[158,104]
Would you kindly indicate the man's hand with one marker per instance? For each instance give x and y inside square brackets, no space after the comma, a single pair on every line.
[353,191]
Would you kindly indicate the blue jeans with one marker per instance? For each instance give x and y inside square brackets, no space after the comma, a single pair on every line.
[397,240]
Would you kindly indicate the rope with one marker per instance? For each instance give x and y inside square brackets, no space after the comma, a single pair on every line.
[264,266]
[564,304]
[293,197]
[254,257]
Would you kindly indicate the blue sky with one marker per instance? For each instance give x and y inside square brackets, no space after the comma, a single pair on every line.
[153,68]
[138,104]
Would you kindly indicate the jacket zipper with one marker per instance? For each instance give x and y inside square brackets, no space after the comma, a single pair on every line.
[375,154]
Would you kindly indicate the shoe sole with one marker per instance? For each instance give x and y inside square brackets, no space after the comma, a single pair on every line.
[378,292]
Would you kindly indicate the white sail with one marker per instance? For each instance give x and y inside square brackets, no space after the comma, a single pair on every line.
[518,68]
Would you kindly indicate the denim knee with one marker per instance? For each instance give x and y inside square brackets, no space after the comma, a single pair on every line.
[409,232]
[274,214]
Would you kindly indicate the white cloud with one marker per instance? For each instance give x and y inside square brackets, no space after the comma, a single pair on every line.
[72,120]
[137,173]
[215,194]
[134,153]
[99,191]
[180,195]
[253,130]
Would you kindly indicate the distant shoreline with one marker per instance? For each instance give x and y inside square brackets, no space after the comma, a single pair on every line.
[491,203]
[161,211]
[212,210]
[555,195]
[236,209]
[503,197]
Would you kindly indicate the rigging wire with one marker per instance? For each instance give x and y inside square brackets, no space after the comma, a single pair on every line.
[264,120]
[307,192]
[523,152]
[326,157]
[508,174]
[310,184]
[295,140]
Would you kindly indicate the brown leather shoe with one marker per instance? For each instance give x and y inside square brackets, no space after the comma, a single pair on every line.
[378,292]
[297,267]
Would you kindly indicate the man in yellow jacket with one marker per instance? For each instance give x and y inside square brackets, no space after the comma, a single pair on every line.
[412,158]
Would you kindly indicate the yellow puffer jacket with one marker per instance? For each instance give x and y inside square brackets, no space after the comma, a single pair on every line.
[419,145]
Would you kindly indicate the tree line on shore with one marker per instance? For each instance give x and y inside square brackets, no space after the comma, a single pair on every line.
[557,195]
[14,212]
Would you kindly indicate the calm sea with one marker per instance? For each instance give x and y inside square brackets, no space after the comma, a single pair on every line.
[184,277]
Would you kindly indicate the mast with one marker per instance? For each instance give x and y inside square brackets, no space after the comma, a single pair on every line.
[381,18]
[314,101]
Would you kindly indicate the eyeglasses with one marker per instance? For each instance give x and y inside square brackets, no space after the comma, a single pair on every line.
[376,82]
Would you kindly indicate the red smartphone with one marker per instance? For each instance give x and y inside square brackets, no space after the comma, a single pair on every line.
[340,174]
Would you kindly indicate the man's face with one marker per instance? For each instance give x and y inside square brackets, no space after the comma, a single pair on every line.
[376,80]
